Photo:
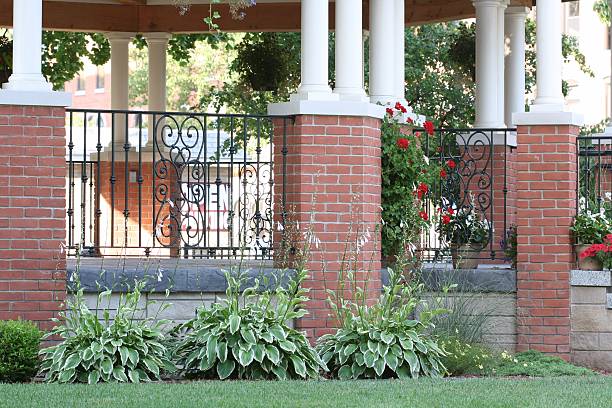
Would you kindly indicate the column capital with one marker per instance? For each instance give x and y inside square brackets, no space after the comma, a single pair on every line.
[119,36]
[159,38]
[489,3]
[516,12]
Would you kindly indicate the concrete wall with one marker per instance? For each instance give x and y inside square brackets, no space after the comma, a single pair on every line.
[591,319]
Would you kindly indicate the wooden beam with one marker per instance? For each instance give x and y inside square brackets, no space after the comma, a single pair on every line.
[141,18]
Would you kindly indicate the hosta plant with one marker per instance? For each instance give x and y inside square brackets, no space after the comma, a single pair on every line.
[246,335]
[382,340]
[100,349]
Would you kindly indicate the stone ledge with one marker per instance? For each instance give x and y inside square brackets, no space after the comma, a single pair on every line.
[179,275]
[590,278]
[435,277]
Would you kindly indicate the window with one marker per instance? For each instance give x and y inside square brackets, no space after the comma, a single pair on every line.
[572,17]
[80,84]
[573,9]
[100,78]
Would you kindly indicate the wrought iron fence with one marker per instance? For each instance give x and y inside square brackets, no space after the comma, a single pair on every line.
[481,183]
[594,187]
[179,184]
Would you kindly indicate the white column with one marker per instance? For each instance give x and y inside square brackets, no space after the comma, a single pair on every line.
[158,46]
[501,48]
[400,62]
[314,64]
[487,55]
[515,62]
[382,51]
[27,48]
[120,73]
[549,59]
[349,51]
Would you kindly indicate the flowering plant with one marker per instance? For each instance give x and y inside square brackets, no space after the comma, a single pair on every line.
[407,177]
[590,227]
[603,252]
[463,226]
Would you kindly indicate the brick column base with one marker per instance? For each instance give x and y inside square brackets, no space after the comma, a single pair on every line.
[33,215]
[546,205]
[333,173]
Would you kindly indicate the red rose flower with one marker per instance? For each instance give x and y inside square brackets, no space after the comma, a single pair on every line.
[424,215]
[443,173]
[400,107]
[417,134]
[409,120]
[451,211]
[403,143]
[390,112]
[446,219]
[429,127]
[451,164]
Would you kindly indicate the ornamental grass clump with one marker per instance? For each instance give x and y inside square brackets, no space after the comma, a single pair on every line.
[126,348]
[380,340]
[246,335]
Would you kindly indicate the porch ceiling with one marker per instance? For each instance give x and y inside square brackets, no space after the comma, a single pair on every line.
[143,16]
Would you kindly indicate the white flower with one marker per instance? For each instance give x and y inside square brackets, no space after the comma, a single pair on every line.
[609,196]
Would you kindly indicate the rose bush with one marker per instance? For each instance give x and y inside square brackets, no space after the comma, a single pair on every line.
[407,177]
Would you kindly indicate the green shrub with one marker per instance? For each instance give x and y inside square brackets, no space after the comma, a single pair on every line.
[535,364]
[382,340]
[125,349]
[249,341]
[464,358]
[19,342]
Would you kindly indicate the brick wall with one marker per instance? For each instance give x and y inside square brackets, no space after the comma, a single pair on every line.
[333,171]
[546,200]
[32,220]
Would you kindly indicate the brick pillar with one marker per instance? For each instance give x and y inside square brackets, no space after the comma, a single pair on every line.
[333,169]
[33,213]
[546,205]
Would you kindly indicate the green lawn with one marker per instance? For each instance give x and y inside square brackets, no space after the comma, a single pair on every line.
[551,392]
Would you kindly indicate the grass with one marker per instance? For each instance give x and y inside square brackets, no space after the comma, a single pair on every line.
[536,364]
[593,391]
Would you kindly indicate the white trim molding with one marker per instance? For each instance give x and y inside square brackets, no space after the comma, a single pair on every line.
[35,98]
[327,108]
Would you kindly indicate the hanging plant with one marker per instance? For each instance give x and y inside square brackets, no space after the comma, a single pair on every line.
[262,61]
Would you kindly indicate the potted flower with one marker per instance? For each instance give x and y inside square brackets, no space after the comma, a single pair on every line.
[598,255]
[467,234]
[589,228]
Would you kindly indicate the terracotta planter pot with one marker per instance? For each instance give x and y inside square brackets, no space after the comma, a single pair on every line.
[465,256]
[587,264]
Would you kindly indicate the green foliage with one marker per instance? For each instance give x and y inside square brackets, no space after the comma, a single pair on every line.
[407,174]
[19,342]
[536,364]
[440,86]
[602,8]
[382,340]
[249,65]
[263,62]
[63,54]
[250,341]
[589,227]
[465,226]
[509,245]
[464,358]
[125,349]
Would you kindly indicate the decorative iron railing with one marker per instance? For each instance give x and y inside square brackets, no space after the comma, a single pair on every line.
[594,169]
[179,184]
[481,183]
